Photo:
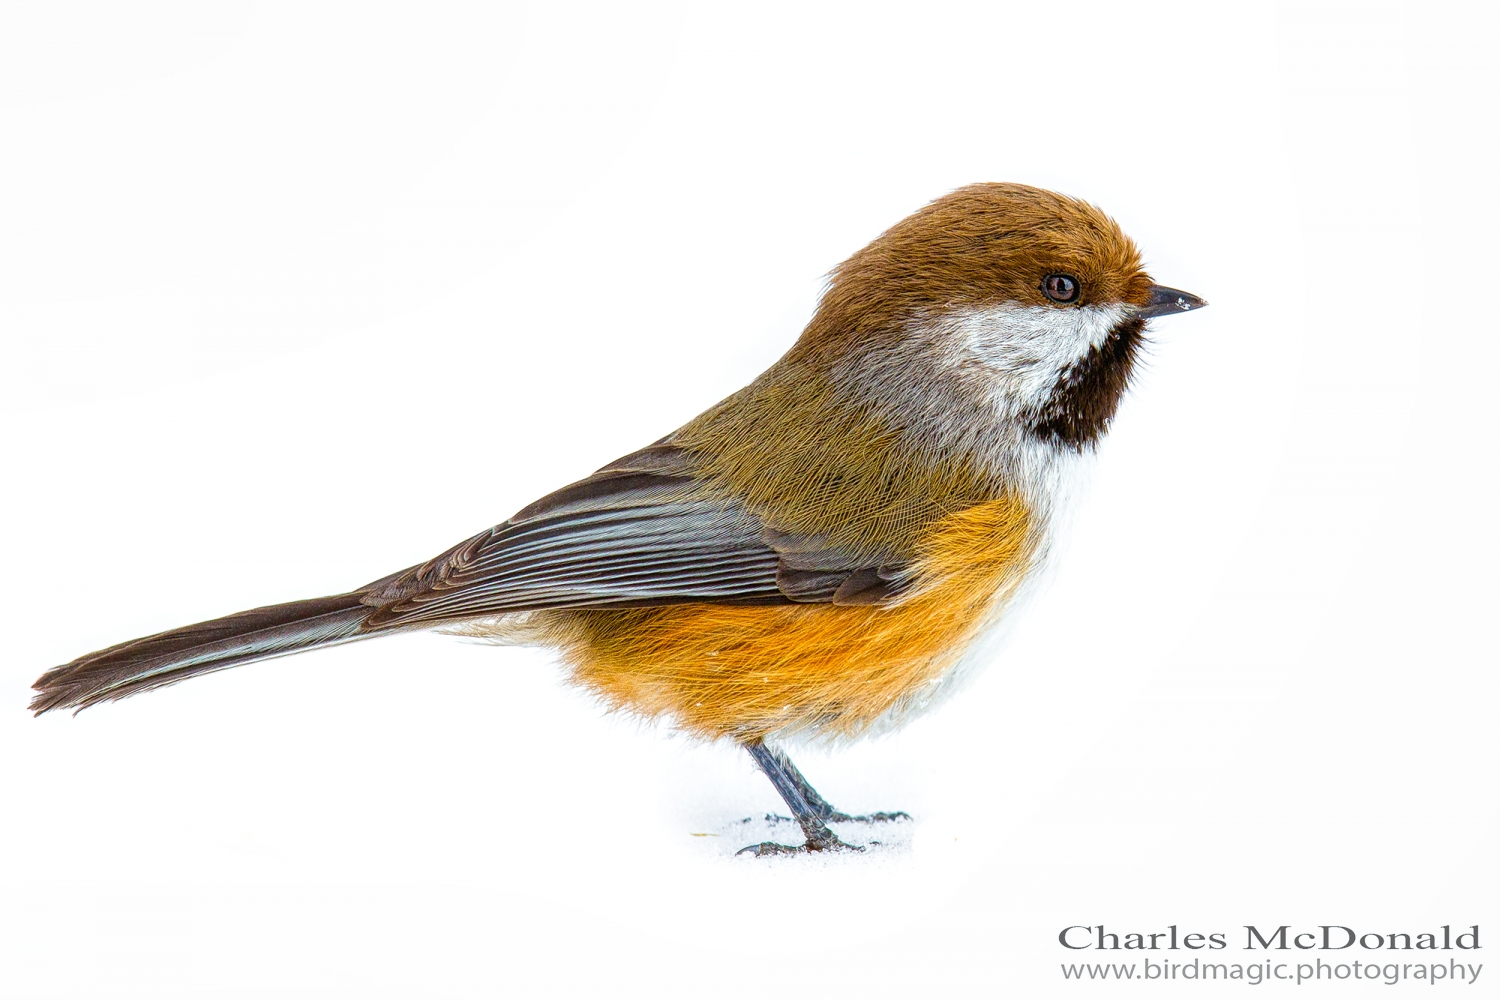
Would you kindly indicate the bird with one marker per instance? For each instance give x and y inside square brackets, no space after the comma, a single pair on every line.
[824,554]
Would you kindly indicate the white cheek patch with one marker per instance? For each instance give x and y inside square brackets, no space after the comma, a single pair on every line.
[1027,348]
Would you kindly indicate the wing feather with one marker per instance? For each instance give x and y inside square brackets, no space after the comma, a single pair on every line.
[642,531]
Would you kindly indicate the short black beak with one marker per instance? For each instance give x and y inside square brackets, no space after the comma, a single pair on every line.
[1168,301]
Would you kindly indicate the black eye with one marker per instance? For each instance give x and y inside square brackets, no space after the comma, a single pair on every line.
[1060,287]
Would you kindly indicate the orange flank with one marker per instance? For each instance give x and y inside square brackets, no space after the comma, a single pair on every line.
[749,672]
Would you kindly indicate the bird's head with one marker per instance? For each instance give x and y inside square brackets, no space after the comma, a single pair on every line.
[1038,298]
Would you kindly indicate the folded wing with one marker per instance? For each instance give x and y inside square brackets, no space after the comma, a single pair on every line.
[641,531]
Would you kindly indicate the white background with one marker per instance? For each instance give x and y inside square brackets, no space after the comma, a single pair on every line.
[297,295]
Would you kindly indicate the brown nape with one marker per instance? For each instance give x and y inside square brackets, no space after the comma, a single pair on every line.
[979,246]
[1088,394]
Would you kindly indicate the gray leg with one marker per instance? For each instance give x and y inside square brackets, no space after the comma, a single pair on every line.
[795,792]
[818,804]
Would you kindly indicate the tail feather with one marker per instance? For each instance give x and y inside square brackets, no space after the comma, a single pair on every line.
[169,657]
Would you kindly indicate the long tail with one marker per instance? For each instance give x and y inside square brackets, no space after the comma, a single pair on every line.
[169,657]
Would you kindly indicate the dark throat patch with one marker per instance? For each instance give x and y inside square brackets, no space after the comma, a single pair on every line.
[1087,394]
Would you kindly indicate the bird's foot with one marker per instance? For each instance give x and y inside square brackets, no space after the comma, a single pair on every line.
[822,845]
